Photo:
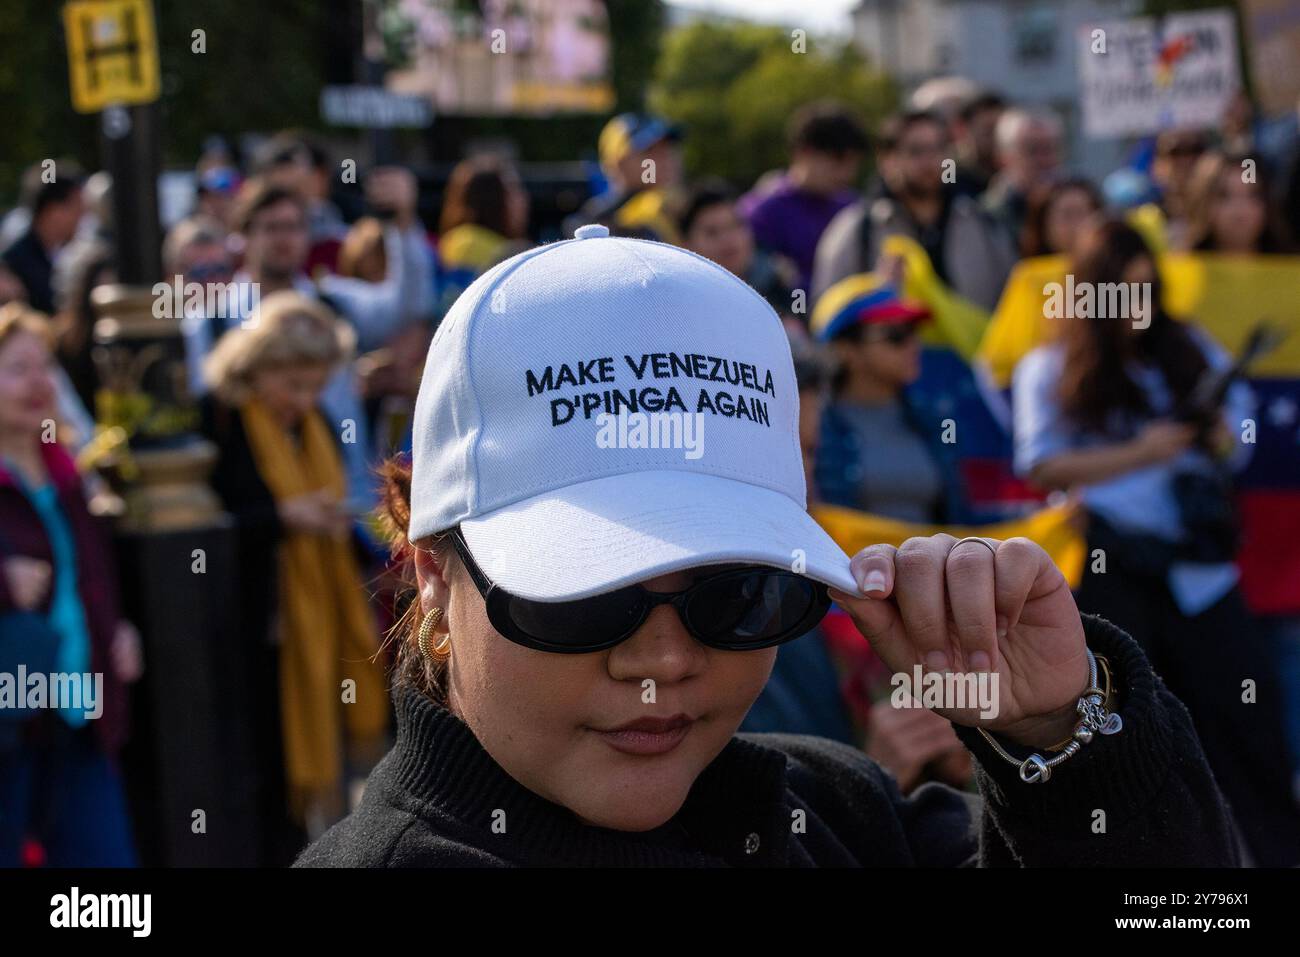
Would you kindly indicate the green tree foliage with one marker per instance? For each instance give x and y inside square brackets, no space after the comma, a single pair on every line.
[39,122]
[734,87]
[263,69]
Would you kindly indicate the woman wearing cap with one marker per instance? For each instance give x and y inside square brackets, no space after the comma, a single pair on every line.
[598,602]
[879,451]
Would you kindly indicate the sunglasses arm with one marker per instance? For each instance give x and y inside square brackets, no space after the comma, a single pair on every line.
[484,584]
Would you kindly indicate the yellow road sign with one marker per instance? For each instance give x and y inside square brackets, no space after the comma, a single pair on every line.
[112,53]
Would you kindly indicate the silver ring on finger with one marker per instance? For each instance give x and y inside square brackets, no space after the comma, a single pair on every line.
[983,541]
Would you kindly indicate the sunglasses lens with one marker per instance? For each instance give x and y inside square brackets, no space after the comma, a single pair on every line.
[753,609]
[588,622]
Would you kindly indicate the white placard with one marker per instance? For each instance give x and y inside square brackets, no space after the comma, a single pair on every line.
[1157,74]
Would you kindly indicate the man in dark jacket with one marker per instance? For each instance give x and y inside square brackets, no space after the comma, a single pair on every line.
[918,199]
[56,208]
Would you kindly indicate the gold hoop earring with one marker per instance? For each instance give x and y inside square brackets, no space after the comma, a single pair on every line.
[442,649]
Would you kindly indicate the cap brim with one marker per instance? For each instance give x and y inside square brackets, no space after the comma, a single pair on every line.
[597,536]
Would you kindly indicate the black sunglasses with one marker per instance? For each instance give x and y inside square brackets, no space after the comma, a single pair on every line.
[740,609]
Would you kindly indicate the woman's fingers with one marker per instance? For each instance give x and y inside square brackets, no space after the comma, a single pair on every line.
[942,606]
[920,592]
[970,573]
[873,570]
[876,615]
[1018,563]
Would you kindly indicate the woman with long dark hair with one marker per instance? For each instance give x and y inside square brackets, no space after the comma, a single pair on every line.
[1110,411]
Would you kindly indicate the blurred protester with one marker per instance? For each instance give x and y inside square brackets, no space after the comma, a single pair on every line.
[640,156]
[1107,411]
[390,375]
[272,221]
[1056,214]
[1176,154]
[59,781]
[296,161]
[1237,125]
[789,211]
[11,287]
[303,609]
[86,265]
[96,225]
[968,250]
[710,224]
[1029,145]
[195,250]
[484,219]
[56,209]
[1270,140]
[1229,210]
[215,189]
[362,254]
[974,133]
[880,452]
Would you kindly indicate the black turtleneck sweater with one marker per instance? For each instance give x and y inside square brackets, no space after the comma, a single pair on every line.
[431,802]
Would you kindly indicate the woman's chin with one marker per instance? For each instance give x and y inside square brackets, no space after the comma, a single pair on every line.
[635,803]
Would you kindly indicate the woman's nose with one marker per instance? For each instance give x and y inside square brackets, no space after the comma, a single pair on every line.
[661,650]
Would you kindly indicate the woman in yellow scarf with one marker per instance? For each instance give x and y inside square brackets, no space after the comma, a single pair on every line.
[276,445]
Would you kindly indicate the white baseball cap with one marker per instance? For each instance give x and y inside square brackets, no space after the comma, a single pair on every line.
[550,375]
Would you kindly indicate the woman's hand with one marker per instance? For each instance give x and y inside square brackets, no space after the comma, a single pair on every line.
[127,653]
[28,580]
[316,513]
[967,609]
[904,740]
[1161,440]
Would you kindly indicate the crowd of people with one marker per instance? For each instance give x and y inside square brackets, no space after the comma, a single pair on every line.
[332,337]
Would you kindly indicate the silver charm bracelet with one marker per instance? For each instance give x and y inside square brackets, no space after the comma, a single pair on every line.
[1093,719]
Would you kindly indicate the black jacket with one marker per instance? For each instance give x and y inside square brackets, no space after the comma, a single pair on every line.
[433,799]
[31,263]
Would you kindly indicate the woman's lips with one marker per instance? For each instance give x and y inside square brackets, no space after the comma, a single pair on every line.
[648,736]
